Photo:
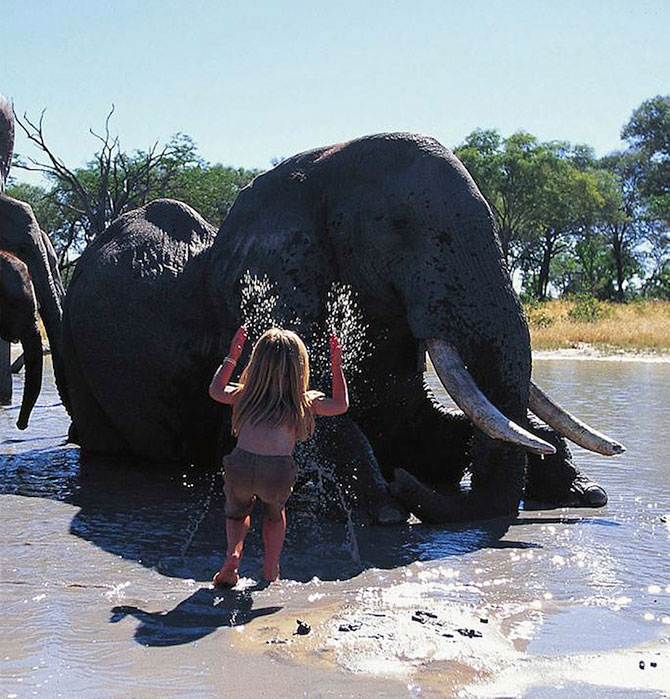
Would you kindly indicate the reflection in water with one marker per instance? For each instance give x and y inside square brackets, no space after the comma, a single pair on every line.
[146,515]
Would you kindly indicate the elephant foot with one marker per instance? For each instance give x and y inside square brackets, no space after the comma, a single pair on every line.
[404,487]
[583,492]
[586,493]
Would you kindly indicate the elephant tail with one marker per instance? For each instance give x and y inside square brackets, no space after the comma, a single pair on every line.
[6,139]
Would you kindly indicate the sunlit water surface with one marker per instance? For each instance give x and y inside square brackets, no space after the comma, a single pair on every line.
[102,562]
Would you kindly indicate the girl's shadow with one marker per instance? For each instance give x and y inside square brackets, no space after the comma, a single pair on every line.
[173,522]
[202,613]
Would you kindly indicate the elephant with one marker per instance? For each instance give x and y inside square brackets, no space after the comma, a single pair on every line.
[18,323]
[21,235]
[154,301]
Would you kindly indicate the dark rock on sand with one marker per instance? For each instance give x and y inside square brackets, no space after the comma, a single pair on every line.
[303,628]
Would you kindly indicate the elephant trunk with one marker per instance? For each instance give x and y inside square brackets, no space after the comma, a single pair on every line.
[480,348]
[50,293]
[32,350]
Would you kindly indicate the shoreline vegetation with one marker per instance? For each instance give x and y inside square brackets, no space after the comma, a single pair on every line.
[584,327]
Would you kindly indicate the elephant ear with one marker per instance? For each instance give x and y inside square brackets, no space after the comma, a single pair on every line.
[6,139]
[277,229]
[136,332]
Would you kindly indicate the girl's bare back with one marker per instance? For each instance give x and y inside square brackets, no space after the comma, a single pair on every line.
[267,440]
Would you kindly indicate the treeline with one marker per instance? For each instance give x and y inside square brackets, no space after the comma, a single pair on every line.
[569,223]
[79,203]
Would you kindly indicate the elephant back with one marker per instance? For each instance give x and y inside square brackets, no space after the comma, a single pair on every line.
[135,332]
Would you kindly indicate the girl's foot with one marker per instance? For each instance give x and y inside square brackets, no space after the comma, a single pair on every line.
[271,574]
[226,577]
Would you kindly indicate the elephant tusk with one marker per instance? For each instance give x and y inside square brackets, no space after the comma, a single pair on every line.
[467,395]
[569,426]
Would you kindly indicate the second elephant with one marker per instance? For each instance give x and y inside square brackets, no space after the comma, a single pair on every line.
[18,323]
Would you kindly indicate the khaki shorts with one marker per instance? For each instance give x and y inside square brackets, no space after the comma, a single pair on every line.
[249,476]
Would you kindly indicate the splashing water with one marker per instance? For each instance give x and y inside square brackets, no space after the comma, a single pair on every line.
[260,310]
[345,318]
[198,517]
[258,305]
[323,489]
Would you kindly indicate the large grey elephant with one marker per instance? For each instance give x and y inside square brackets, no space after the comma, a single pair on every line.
[21,236]
[155,300]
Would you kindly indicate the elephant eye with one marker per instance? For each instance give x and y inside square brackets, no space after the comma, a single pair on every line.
[400,224]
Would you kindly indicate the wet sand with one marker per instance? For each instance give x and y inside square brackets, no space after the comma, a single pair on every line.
[105,582]
[585,352]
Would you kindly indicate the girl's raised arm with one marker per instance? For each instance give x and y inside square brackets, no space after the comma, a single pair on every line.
[219,389]
[339,403]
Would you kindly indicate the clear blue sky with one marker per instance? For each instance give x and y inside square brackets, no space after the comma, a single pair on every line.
[261,79]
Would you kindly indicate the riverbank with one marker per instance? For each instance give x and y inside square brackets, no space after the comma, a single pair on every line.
[585,352]
[600,329]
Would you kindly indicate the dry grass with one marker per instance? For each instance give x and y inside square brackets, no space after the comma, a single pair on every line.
[642,326]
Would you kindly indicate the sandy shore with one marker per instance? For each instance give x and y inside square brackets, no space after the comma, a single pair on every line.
[585,352]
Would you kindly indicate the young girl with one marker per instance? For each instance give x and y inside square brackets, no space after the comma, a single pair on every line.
[272,409]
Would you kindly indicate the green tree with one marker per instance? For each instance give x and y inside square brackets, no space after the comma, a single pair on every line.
[114,181]
[505,171]
[210,189]
[648,134]
[566,204]
[80,203]
[624,223]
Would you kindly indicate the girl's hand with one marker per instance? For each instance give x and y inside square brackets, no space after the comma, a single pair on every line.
[335,351]
[237,344]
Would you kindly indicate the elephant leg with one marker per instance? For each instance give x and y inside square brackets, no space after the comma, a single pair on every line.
[5,374]
[493,491]
[356,477]
[93,427]
[555,481]
[428,448]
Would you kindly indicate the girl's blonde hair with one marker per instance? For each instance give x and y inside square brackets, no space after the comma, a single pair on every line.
[273,385]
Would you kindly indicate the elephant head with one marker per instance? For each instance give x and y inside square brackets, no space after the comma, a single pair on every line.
[21,236]
[18,323]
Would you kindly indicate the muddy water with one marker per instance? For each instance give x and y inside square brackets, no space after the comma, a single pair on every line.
[105,568]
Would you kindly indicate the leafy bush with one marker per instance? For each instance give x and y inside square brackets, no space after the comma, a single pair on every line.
[587,309]
[536,313]
[540,319]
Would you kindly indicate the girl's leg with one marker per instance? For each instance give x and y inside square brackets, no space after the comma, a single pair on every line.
[273,542]
[236,531]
